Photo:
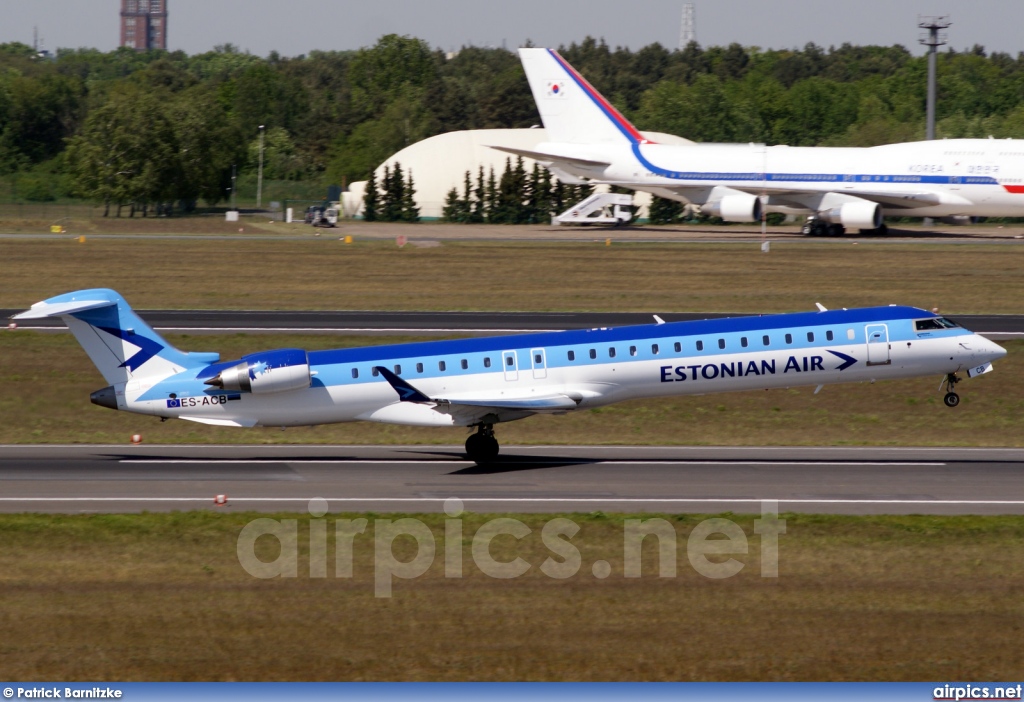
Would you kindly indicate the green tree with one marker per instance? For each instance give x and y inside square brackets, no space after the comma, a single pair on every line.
[371,198]
[452,210]
[664,211]
[127,152]
[410,211]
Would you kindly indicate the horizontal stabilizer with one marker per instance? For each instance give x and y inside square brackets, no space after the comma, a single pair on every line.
[42,310]
[552,158]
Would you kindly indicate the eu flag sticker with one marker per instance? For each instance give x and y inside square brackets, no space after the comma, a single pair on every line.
[173,403]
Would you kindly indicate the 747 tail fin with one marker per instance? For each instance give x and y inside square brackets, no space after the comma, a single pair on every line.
[120,344]
[572,110]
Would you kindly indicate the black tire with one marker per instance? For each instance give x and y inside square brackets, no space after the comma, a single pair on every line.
[482,449]
[951,399]
[836,230]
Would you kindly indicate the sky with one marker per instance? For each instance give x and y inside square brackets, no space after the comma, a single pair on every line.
[300,26]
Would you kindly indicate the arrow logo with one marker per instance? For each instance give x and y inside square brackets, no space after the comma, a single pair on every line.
[847,360]
[147,347]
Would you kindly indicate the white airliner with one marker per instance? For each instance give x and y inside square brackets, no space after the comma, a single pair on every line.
[482,381]
[590,141]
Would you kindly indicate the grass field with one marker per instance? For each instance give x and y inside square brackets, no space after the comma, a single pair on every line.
[46,379]
[163,597]
[308,273]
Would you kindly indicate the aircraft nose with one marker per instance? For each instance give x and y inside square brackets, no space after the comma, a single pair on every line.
[986,350]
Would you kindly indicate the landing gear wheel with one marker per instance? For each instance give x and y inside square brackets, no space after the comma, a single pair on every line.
[482,447]
[836,230]
[951,399]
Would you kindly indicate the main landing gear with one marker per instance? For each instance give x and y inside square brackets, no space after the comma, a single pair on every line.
[482,447]
[951,399]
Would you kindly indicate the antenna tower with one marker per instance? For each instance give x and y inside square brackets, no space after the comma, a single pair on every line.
[933,39]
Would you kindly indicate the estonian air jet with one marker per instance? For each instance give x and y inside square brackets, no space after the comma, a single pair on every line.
[590,141]
[480,382]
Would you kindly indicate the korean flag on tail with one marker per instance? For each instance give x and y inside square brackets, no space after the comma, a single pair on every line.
[556,89]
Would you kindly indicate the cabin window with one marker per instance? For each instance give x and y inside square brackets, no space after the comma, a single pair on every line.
[654,349]
[721,343]
[850,334]
[442,366]
[355,372]
[678,347]
[611,352]
[572,355]
[700,345]
[632,350]
[375,372]
[789,338]
[487,362]
[829,336]
[810,336]
[743,341]
[398,369]
[419,367]
[538,358]
[464,363]
[766,340]
[593,353]
[510,360]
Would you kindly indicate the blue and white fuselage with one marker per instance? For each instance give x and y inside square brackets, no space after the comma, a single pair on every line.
[484,381]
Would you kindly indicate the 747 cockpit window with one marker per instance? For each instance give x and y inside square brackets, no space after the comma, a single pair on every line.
[934,323]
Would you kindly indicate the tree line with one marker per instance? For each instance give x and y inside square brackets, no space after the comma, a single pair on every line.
[165,129]
[517,197]
[397,202]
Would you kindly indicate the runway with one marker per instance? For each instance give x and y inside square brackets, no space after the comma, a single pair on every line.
[414,323]
[129,478]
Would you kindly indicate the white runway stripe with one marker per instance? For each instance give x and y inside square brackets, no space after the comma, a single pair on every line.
[517,500]
[611,461]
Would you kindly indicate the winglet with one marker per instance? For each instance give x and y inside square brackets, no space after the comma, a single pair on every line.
[406,392]
[821,307]
[658,320]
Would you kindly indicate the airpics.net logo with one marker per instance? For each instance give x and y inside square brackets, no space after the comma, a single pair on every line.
[711,546]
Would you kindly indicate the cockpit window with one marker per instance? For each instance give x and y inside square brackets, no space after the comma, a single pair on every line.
[935,323]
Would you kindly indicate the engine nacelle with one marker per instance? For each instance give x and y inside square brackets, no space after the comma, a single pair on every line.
[863,215]
[271,371]
[735,208]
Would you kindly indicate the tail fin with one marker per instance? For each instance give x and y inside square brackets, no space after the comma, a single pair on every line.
[121,345]
[572,110]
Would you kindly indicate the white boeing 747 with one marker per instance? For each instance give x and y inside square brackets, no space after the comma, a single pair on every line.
[590,141]
[480,382]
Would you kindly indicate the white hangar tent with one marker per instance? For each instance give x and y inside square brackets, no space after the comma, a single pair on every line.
[439,164]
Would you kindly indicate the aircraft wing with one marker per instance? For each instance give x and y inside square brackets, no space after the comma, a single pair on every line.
[554,402]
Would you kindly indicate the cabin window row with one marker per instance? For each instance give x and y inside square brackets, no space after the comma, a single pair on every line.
[678,346]
[441,366]
[538,359]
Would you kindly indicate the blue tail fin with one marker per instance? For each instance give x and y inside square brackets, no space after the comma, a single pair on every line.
[122,346]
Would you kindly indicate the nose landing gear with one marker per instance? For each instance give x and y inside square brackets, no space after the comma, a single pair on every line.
[951,399]
[482,447]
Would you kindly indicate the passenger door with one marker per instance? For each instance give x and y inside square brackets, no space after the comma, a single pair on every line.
[539,363]
[878,344]
[510,364]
